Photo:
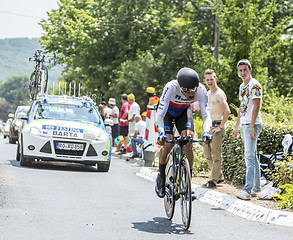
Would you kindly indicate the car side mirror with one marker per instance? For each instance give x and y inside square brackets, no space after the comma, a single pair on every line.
[22,116]
[108,122]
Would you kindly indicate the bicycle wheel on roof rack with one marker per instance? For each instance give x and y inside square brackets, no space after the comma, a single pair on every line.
[45,76]
[32,86]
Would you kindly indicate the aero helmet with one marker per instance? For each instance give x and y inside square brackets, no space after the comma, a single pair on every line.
[187,78]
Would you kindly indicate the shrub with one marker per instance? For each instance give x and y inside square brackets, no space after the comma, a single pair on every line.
[286,199]
[270,140]
[283,171]
[200,164]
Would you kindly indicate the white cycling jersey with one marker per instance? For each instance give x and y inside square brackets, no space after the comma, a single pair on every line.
[174,101]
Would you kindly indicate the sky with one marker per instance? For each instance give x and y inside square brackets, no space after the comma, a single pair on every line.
[19,18]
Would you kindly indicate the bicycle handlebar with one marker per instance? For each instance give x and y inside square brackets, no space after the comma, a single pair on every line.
[39,57]
[183,140]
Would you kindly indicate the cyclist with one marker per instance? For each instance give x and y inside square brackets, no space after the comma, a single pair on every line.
[174,107]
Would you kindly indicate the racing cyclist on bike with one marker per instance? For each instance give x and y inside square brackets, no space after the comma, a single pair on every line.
[174,106]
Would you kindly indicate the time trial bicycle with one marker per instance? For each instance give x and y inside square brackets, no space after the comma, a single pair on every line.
[38,81]
[178,180]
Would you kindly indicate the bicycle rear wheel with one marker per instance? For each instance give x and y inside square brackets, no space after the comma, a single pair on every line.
[185,193]
[169,200]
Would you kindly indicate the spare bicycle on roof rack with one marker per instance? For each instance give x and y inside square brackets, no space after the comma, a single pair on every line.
[38,81]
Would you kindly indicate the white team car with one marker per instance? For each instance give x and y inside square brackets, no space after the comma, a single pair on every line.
[64,129]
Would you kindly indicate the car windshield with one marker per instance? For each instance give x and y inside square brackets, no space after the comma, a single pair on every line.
[22,109]
[68,112]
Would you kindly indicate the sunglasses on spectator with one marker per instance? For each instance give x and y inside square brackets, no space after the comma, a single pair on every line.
[188,90]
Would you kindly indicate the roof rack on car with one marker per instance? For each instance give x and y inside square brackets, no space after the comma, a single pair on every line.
[66,91]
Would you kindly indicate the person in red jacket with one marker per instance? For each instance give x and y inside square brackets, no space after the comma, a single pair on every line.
[123,122]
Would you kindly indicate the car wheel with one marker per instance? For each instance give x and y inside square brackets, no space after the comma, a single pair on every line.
[23,160]
[103,167]
[17,153]
[9,139]
[4,136]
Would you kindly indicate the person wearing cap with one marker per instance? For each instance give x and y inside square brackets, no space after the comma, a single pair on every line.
[249,116]
[144,115]
[174,107]
[114,117]
[134,110]
[137,137]
[153,99]
[123,122]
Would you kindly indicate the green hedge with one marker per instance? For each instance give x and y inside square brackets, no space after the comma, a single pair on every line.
[270,140]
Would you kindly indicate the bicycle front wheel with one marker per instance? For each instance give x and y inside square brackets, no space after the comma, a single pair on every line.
[32,86]
[169,201]
[185,192]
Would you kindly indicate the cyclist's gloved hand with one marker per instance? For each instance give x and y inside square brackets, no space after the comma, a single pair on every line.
[207,137]
[161,138]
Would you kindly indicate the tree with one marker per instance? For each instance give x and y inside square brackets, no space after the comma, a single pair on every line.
[5,109]
[108,44]
[15,90]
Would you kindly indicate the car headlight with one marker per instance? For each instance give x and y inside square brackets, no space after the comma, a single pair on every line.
[35,131]
[102,137]
[97,136]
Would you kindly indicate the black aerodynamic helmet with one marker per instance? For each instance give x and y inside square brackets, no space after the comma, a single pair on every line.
[187,78]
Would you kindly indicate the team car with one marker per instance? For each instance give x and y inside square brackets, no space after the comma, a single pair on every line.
[64,129]
[16,124]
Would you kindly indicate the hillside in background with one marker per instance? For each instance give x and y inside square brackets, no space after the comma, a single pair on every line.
[14,55]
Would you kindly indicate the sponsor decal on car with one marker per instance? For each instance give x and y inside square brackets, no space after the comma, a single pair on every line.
[62,131]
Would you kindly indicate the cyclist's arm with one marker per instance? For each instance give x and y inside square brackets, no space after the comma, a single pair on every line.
[165,98]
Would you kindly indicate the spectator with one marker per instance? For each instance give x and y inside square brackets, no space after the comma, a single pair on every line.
[219,112]
[138,135]
[123,122]
[153,99]
[134,110]
[143,116]
[249,116]
[101,111]
[114,117]
[107,110]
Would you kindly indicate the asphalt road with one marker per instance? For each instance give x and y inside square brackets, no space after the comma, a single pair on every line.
[67,201]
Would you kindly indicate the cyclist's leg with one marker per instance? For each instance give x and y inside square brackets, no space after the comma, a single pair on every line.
[163,158]
[167,147]
[185,126]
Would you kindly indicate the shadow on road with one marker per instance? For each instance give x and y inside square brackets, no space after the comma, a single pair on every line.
[57,166]
[162,226]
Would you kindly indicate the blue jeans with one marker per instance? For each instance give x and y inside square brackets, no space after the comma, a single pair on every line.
[133,144]
[252,180]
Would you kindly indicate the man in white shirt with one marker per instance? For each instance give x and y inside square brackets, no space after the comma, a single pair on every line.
[249,116]
[137,137]
[134,110]
[114,114]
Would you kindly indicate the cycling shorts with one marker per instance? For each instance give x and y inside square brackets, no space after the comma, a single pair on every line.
[182,122]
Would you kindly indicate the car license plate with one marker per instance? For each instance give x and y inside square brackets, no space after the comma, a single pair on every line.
[69,146]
